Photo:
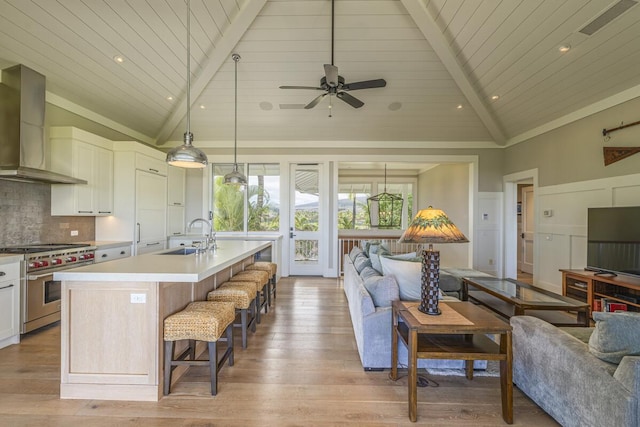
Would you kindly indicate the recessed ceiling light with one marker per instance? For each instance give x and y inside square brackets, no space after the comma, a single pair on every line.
[119,59]
[564,48]
[495,97]
[459,107]
[395,106]
[169,98]
[202,107]
[266,106]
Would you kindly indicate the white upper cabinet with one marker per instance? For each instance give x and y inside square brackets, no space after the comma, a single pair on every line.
[176,182]
[9,304]
[86,156]
[140,198]
[176,179]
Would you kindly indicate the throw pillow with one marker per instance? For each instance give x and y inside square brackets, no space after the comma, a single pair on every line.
[383,290]
[408,275]
[361,262]
[375,257]
[368,272]
[355,251]
[616,335]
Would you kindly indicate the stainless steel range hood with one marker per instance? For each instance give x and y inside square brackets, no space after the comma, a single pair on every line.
[22,148]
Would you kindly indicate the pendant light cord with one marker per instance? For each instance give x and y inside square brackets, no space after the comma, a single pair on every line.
[188,132]
[332,29]
[235,129]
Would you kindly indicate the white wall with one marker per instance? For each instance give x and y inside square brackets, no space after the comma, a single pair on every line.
[488,237]
[447,187]
[562,237]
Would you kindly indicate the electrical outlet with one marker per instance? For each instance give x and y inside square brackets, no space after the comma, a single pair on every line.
[138,298]
[74,232]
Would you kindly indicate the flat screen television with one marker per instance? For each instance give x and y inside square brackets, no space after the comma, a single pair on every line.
[613,240]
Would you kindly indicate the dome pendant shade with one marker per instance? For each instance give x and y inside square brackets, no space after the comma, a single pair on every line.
[236,177]
[186,155]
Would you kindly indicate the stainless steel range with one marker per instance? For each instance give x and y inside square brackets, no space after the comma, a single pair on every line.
[40,294]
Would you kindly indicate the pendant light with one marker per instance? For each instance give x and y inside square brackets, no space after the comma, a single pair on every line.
[186,155]
[236,177]
[385,209]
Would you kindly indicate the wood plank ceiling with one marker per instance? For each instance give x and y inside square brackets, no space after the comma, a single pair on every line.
[435,55]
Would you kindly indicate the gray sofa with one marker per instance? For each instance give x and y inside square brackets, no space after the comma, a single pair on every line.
[557,371]
[372,326]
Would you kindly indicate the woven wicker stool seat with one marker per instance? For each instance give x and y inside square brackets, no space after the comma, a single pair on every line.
[243,296]
[261,279]
[204,321]
[272,269]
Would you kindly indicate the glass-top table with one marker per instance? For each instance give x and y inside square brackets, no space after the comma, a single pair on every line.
[509,297]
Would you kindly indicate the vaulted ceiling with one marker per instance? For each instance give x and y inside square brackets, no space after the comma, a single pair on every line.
[443,60]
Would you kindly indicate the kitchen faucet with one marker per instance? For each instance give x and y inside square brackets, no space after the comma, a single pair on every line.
[211,237]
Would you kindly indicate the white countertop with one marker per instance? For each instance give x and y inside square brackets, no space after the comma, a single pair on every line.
[10,258]
[107,244]
[156,267]
[250,236]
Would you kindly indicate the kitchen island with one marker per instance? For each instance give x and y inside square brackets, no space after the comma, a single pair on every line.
[112,317]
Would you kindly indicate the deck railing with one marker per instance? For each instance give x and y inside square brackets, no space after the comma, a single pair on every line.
[346,243]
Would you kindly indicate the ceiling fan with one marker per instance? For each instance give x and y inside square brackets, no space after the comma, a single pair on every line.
[333,84]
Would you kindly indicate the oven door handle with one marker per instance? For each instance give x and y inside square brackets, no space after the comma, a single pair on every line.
[39,276]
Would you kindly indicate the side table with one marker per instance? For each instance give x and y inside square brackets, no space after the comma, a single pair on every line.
[458,333]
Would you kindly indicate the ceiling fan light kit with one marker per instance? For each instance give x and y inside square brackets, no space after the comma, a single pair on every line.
[334,84]
[186,155]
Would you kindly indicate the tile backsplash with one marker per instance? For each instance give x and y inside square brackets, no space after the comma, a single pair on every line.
[25,217]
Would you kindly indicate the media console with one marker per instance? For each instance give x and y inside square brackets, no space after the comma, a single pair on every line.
[589,286]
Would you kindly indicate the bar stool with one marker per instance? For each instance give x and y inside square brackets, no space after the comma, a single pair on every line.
[243,296]
[200,321]
[261,279]
[272,269]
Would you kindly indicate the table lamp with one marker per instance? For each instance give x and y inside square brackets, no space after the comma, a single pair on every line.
[431,226]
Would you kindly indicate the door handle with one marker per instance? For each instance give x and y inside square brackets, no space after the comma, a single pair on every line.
[291,234]
[138,224]
[522,235]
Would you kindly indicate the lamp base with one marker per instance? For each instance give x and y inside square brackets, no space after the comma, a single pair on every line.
[426,310]
[430,284]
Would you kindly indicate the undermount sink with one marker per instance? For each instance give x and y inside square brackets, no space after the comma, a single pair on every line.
[181,251]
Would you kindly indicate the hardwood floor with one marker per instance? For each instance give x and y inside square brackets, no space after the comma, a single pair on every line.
[301,368]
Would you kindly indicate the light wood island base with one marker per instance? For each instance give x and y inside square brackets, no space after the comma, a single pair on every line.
[112,330]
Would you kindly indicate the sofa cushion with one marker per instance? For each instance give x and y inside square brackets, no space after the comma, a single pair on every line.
[355,251]
[616,335]
[368,272]
[383,290]
[361,262]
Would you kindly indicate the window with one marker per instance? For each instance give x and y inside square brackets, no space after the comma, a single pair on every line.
[263,196]
[257,208]
[353,213]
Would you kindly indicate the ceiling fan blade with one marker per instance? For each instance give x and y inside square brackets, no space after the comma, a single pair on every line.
[368,84]
[301,87]
[354,102]
[331,73]
[315,101]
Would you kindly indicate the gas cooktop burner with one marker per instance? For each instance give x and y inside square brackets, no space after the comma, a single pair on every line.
[41,247]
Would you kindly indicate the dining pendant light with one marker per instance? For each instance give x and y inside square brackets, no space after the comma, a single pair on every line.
[186,155]
[235,177]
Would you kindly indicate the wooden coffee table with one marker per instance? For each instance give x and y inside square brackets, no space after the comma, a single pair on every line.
[509,297]
[458,333]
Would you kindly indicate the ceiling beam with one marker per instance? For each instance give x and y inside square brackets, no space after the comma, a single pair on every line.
[221,53]
[429,28]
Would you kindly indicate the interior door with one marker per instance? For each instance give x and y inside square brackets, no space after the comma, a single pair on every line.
[151,204]
[305,220]
[528,230]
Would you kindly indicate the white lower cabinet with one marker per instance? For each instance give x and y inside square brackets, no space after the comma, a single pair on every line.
[9,304]
[110,254]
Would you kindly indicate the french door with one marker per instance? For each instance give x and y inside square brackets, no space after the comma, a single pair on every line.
[306,218]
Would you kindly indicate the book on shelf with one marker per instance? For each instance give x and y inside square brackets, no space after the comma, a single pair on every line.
[616,306]
[608,305]
[597,305]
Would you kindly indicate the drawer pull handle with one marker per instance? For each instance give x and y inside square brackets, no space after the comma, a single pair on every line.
[7,287]
[154,170]
[122,252]
[2,273]
[153,244]
[85,211]
[104,255]
[104,212]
